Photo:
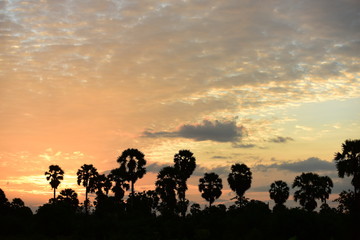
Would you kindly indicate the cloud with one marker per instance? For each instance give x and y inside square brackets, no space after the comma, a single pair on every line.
[237,145]
[214,131]
[280,139]
[312,164]
[199,171]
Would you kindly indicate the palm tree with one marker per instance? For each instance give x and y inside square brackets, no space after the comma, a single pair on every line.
[309,190]
[87,175]
[118,177]
[103,185]
[132,162]
[239,180]
[279,192]
[54,175]
[166,189]
[184,167]
[348,163]
[210,186]
[69,196]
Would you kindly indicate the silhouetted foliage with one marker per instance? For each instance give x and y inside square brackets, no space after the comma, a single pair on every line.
[4,203]
[70,197]
[87,176]
[311,187]
[346,201]
[54,175]
[136,217]
[17,203]
[239,180]
[185,164]
[132,163]
[117,176]
[143,203]
[348,163]
[326,185]
[166,188]
[210,187]
[279,192]
[195,209]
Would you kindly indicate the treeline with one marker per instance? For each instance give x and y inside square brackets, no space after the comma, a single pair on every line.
[168,212]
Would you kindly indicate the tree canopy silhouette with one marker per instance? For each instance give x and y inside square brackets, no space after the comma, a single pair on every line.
[348,163]
[54,175]
[87,175]
[185,164]
[311,187]
[117,176]
[69,196]
[132,163]
[210,187]
[239,180]
[166,188]
[279,192]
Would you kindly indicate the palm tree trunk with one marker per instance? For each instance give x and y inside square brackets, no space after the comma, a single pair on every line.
[54,193]
[86,201]
[132,188]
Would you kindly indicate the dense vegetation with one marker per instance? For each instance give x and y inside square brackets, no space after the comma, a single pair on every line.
[164,213]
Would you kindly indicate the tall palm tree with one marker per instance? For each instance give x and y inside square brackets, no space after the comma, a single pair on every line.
[166,189]
[348,163]
[210,186]
[279,192]
[239,179]
[54,175]
[132,162]
[185,164]
[87,175]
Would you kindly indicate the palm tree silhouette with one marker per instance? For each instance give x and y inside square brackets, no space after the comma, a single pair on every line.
[166,189]
[210,186]
[103,185]
[279,192]
[132,162]
[348,163]
[311,187]
[87,175]
[239,180]
[118,176]
[184,167]
[54,175]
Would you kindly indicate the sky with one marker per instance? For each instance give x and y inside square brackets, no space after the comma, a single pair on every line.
[273,84]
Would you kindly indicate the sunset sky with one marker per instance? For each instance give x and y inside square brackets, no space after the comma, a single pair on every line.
[273,84]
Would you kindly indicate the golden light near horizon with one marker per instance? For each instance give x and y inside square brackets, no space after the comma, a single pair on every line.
[275,85]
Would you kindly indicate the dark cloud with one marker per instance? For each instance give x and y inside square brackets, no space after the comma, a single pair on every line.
[280,139]
[312,164]
[198,172]
[214,131]
[155,167]
[219,157]
[235,145]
